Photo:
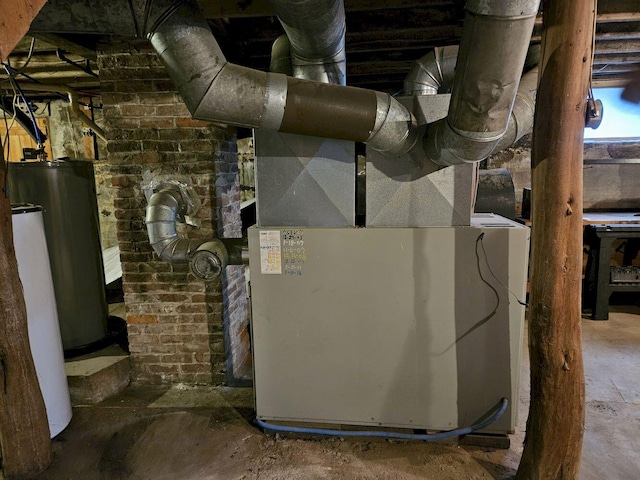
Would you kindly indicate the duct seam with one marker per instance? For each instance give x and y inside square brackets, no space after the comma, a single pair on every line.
[275,101]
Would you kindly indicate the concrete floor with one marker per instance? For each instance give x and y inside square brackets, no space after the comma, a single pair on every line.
[191,433]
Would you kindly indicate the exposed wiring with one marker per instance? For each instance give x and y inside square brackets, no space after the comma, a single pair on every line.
[29,55]
[485,319]
[5,160]
[486,260]
[492,415]
[26,103]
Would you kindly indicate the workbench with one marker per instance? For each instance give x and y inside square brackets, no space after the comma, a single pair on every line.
[601,231]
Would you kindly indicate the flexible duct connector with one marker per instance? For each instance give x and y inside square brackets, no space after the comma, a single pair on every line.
[316,31]
[206,258]
[218,91]
[432,73]
[493,48]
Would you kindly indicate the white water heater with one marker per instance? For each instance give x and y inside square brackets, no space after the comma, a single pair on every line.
[42,316]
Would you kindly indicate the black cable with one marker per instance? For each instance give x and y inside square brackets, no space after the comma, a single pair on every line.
[486,260]
[26,104]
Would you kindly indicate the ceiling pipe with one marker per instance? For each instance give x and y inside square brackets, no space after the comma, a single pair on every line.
[494,44]
[432,73]
[216,90]
[316,31]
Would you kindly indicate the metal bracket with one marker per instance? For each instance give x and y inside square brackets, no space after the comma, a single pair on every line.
[85,68]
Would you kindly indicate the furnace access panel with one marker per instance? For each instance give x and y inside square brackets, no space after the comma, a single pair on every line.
[401,327]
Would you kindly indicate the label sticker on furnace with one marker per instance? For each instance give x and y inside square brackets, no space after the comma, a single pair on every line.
[270,252]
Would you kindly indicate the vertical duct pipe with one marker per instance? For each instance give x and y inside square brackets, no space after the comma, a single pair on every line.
[316,31]
[216,90]
[493,48]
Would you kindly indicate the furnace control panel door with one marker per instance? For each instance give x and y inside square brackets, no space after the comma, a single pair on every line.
[404,327]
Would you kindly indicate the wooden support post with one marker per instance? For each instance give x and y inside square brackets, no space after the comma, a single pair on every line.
[24,429]
[555,426]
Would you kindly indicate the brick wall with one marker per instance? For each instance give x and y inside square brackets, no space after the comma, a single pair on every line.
[175,321]
[609,183]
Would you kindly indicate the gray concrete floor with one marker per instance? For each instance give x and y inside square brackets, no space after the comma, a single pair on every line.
[192,433]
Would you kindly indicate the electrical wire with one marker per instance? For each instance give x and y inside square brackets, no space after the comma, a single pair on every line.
[29,55]
[492,415]
[26,103]
[486,260]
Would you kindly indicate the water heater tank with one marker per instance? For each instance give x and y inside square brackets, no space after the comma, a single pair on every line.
[66,191]
[42,318]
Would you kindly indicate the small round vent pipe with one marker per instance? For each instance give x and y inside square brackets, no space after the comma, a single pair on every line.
[168,205]
[492,53]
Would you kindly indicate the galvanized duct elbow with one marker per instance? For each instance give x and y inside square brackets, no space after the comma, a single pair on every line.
[432,73]
[316,31]
[281,56]
[493,48]
[218,91]
[206,258]
[523,112]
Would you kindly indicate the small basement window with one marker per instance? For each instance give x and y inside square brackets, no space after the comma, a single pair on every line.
[620,120]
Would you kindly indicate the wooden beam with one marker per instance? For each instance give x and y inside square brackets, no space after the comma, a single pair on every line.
[215,9]
[66,45]
[24,429]
[15,20]
[615,58]
[617,46]
[553,442]
[618,17]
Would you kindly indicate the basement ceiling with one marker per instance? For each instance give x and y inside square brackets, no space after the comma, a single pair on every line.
[384,37]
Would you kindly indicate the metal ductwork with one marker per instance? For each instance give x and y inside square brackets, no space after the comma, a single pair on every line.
[493,49]
[523,112]
[170,204]
[216,90]
[432,73]
[281,56]
[316,31]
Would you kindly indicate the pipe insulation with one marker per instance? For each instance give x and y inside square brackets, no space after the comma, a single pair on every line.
[170,204]
[316,30]
[492,53]
[218,91]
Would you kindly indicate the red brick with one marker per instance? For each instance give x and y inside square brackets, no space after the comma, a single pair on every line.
[142,319]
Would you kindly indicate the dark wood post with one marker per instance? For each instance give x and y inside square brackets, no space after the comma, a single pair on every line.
[555,426]
[24,428]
